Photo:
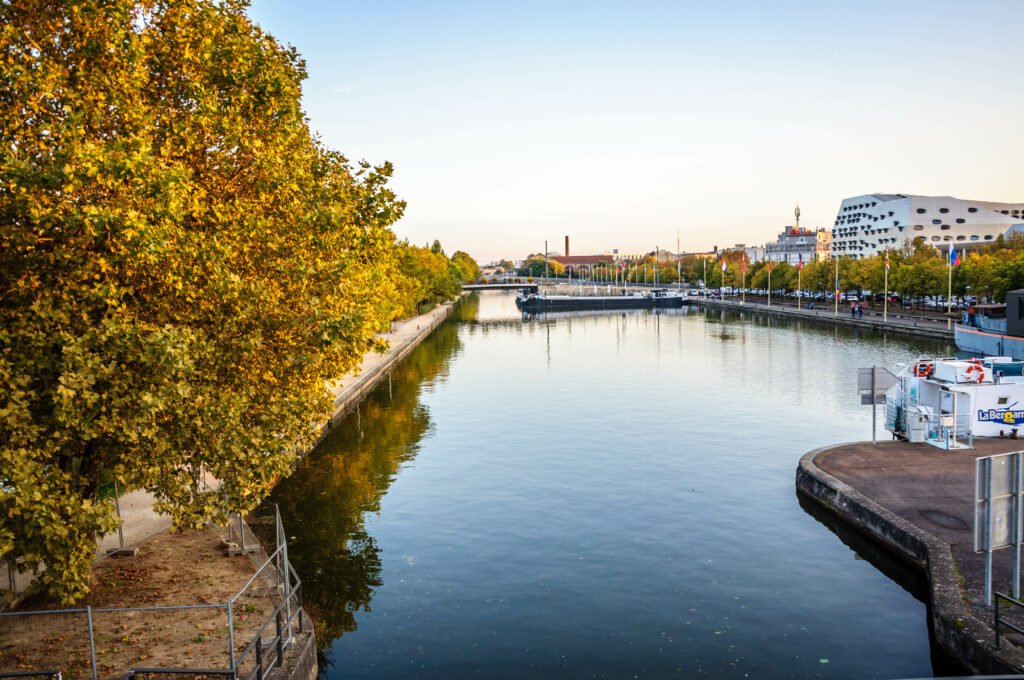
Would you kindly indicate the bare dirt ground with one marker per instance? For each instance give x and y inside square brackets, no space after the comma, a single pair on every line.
[170,569]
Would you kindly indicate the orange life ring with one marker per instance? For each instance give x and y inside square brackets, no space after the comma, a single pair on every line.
[976,367]
[923,369]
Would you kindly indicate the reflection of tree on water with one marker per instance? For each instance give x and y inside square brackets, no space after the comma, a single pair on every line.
[324,502]
[468,308]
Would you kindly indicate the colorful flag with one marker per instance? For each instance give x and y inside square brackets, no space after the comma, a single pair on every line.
[800,261]
[743,264]
[724,268]
[769,266]
[954,258]
[887,258]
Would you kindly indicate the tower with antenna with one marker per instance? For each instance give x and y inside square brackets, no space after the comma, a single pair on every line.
[797,214]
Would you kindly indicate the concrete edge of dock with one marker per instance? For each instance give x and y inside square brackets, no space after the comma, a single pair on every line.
[830,317]
[347,399]
[959,633]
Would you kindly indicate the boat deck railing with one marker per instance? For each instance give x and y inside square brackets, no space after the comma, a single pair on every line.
[942,430]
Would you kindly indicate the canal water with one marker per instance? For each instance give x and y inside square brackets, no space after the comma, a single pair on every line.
[601,496]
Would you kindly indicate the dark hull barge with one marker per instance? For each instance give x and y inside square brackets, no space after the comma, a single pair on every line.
[659,299]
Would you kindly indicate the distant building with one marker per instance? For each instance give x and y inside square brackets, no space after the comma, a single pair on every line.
[796,242]
[868,224]
[581,265]
[754,253]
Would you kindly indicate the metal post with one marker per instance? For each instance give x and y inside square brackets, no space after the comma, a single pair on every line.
[1016,524]
[280,639]
[956,396]
[988,532]
[873,406]
[241,533]
[92,643]
[997,623]
[287,571]
[259,654]
[117,509]
[231,635]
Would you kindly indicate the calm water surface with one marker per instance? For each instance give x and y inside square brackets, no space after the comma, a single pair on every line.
[601,496]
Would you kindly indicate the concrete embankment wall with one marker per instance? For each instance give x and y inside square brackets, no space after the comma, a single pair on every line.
[904,327]
[955,629]
[368,379]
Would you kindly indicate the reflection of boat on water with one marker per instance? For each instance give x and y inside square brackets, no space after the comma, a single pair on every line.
[607,313]
[996,329]
[655,299]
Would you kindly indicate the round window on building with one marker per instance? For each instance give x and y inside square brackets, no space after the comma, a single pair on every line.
[943,210]
[945,227]
[936,221]
[935,238]
[947,237]
[961,237]
[974,237]
[988,237]
[960,220]
[921,211]
[918,227]
[972,210]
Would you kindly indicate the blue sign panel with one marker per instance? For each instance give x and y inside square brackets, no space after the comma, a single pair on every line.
[997,415]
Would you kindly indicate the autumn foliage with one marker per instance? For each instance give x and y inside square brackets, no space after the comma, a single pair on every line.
[184,266]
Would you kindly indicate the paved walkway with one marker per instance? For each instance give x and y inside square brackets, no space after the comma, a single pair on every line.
[927,492]
[898,321]
[404,336]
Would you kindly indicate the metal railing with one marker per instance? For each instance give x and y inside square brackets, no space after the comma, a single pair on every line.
[274,578]
[1000,621]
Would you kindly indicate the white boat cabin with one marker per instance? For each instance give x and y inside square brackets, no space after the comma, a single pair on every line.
[948,401]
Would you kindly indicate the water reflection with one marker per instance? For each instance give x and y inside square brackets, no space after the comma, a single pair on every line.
[325,502]
[912,580]
[598,495]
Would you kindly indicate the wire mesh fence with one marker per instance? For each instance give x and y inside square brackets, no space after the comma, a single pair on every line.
[245,636]
[42,640]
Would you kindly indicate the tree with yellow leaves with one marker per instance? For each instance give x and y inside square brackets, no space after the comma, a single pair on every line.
[185,265]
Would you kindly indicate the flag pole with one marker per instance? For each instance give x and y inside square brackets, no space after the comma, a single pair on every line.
[743,286]
[885,304]
[837,286]
[949,288]
[799,284]
[769,283]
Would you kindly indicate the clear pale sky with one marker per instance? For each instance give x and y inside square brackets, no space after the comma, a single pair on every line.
[621,124]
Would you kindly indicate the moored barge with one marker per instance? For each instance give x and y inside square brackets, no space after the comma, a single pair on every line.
[658,298]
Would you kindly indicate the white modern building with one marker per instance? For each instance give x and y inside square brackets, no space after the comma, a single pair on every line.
[868,224]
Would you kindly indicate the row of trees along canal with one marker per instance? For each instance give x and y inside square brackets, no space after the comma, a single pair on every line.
[916,270]
[185,266]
